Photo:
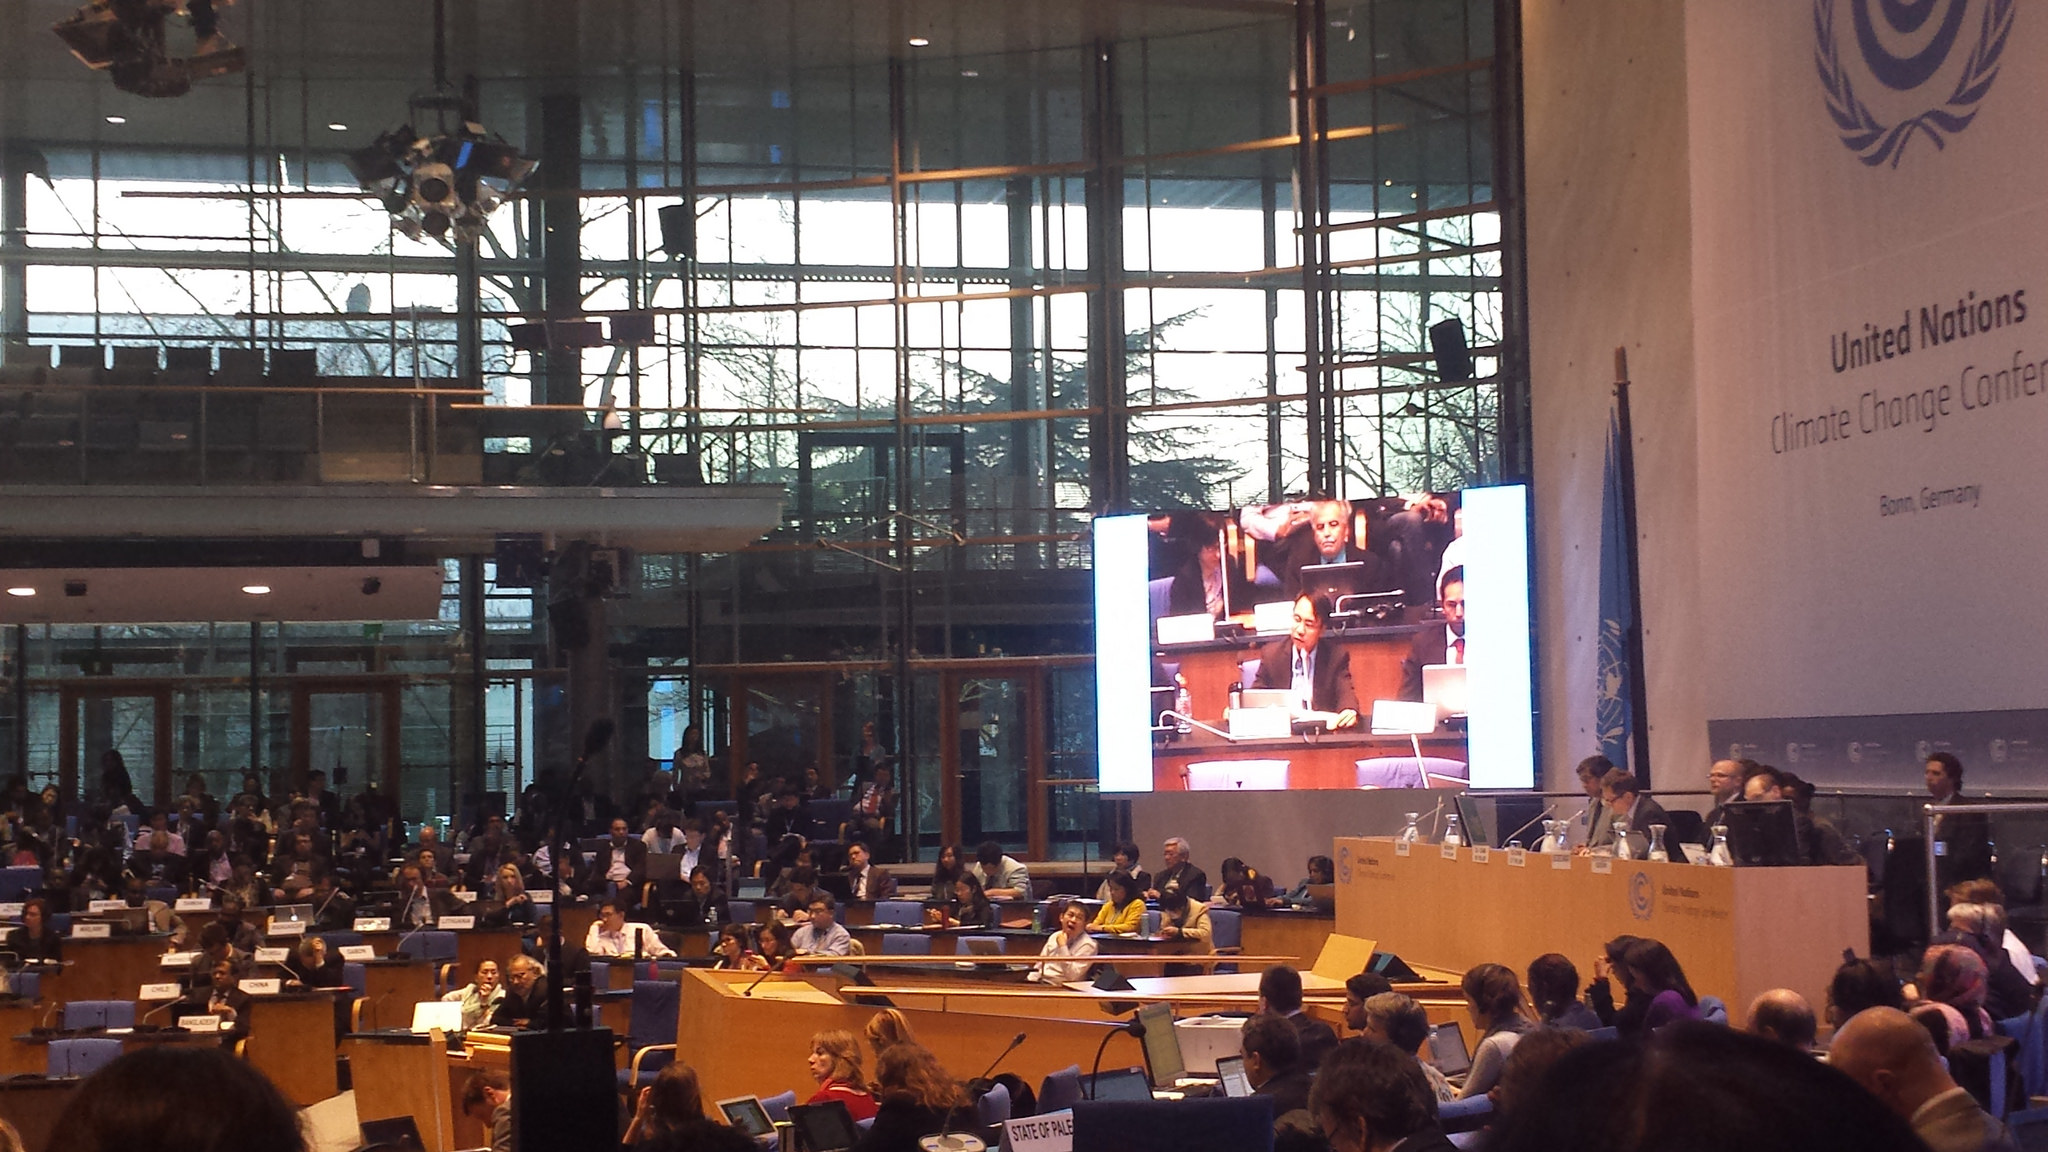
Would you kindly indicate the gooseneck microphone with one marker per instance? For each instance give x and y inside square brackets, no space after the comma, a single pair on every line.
[948,1140]
[1132,1027]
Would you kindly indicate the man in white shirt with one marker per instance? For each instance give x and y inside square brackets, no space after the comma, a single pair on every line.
[823,935]
[610,935]
[161,822]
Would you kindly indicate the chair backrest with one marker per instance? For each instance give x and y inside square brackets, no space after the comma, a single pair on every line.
[742,911]
[963,942]
[777,1106]
[906,944]
[1713,1011]
[28,985]
[653,1018]
[163,892]
[1226,927]
[1608,1033]
[994,1106]
[1467,1115]
[2030,1129]
[906,912]
[1243,1124]
[340,940]
[1062,1089]
[80,1056]
[2032,1033]
[99,1014]
[356,977]
[16,883]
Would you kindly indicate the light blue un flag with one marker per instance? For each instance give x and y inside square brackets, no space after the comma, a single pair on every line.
[1613,718]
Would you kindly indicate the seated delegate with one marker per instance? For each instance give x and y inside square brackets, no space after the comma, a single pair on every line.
[1124,911]
[1069,952]
[835,1064]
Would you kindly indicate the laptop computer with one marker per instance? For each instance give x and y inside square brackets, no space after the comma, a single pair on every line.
[1163,1059]
[292,914]
[428,1015]
[1447,1051]
[398,1132]
[826,1127]
[1444,685]
[752,888]
[1230,1070]
[1334,580]
[1469,816]
[1694,854]
[1121,1084]
[665,866]
[746,1114]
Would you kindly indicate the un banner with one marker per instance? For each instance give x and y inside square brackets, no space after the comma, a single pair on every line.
[1612,716]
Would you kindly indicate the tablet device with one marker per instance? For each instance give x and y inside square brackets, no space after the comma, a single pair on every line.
[428,1015]
[400,1132]
[826,1127]
[1121,1084]
[1230,1070]
[746,1114]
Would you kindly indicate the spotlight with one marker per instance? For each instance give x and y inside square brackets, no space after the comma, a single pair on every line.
[256,589]
[372,585]
[23,591]
[337,126]
[919,42]
[117,119]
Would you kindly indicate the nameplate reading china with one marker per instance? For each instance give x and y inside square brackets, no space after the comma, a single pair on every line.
[192,904]
[1400,847]
[273,955]
[1518,857]
[373,923]
[159,992]
[1603,866]
[201,1023]
[1447,851]
[1561,861]
[1481,854]
[359,953]
[261,987]
[99,931]
[105,905]
[455,923]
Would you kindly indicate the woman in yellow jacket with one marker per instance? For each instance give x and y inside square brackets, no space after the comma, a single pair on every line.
[1124,911]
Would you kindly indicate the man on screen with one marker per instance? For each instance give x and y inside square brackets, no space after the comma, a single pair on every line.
[1433,645]
[1315,672]
[1327,540]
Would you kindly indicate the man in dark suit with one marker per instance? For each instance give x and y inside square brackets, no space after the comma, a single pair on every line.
[1328,539]
[1280,994]
[621,866]
[1274,1064]
[526,994]
[1316,672]
[1622,795]
[863,881]
[1434,645]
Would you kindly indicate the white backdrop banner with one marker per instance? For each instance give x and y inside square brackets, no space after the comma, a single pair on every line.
[1870,220]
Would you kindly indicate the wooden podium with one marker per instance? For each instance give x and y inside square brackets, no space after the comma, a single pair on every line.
[1736,931]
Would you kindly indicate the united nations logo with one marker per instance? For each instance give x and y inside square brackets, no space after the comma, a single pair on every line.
[1642,896]
[1344,865]
[1855,752]
[1998,751]
[1907,50]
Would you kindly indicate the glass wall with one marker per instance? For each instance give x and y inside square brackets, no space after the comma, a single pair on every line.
[955,298]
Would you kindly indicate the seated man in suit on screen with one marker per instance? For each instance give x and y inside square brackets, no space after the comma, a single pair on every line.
[1434,644]
[1317,672]
[1334,535]
[1210,581]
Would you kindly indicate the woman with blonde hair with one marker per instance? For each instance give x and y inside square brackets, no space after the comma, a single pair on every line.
[918,1098]
[886,1029]
[835,1065]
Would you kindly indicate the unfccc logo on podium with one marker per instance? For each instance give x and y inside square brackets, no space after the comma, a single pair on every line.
[1642,896]
[1906,67]
[1344,864]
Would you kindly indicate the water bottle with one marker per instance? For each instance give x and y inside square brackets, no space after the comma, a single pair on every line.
[1657,852]
[1452,836]
[1621,847]
[1413,831]
[1719,855]
[1184,705]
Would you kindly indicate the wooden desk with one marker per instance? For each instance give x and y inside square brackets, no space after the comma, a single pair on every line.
[402,1075]
[291,1040]
[17,1057]
[391,988]
[1736,931]
[712,1014]
[33,1107]
[1279,932]
[1210,669]
[1326,761]
[110,969]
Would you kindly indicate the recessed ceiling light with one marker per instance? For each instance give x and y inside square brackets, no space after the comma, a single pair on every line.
[337,126]
[117,119]
[969,72]
[256,589]
[919,42]
[21,591]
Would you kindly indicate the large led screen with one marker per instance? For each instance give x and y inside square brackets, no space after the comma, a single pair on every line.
[1317,644]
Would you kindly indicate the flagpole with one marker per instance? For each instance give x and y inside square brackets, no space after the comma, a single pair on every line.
[1638,692]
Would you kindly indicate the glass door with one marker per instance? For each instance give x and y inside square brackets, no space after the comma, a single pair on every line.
[992,731]
[348,728]
[103,727]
